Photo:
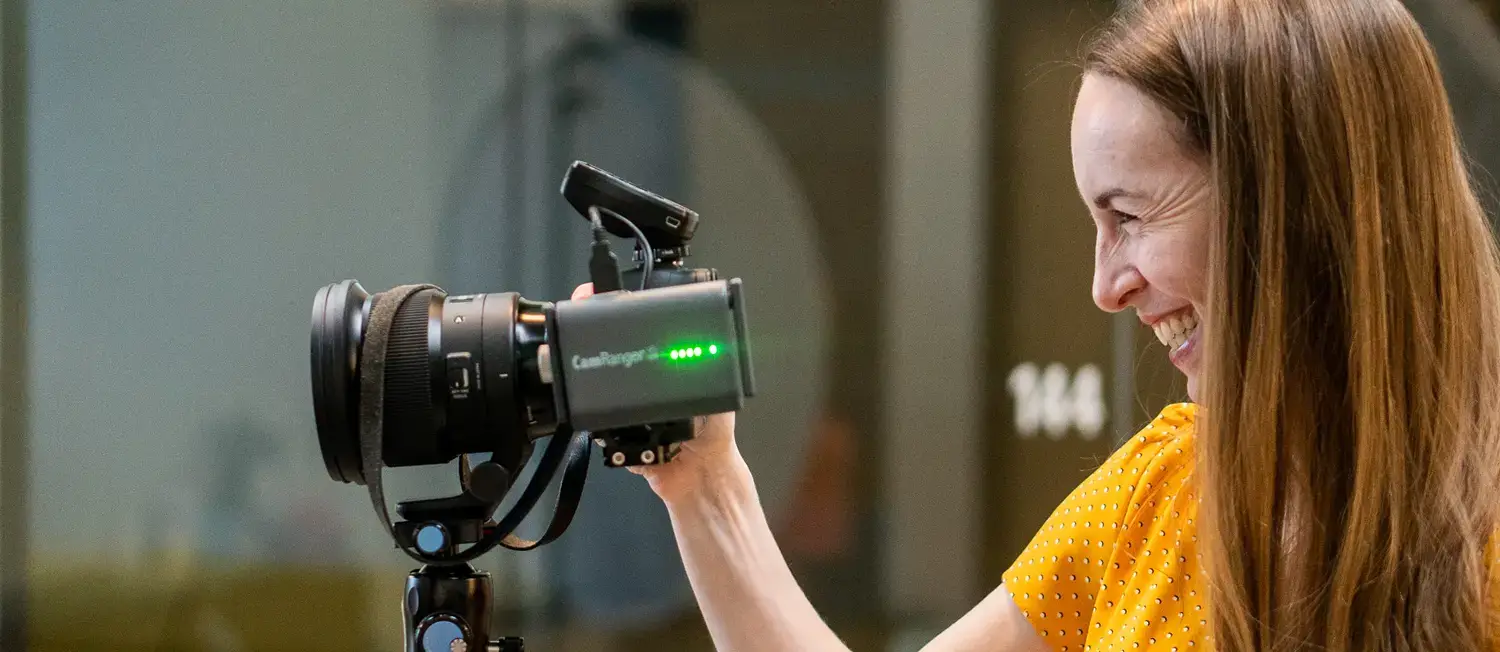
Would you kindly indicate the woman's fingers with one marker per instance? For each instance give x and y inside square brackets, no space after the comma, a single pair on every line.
[583,291]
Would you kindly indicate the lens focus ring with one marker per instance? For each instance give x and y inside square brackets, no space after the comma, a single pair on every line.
[408,392]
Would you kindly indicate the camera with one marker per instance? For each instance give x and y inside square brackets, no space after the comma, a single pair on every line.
[414,376]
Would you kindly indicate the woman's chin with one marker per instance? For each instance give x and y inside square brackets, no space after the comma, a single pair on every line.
[1192,387]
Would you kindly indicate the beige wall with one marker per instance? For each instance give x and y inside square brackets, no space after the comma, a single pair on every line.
[936,214]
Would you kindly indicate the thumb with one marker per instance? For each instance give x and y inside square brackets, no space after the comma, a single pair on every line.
[583,291]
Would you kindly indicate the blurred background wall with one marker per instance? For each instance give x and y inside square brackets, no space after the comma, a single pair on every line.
[890,177]
[194,168]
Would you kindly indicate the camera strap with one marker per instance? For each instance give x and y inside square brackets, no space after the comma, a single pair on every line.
[372,391]
[569,491]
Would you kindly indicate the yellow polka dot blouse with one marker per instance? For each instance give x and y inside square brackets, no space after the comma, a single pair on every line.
[1116,566]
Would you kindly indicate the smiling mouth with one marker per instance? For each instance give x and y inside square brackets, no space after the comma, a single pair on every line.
[1175,330]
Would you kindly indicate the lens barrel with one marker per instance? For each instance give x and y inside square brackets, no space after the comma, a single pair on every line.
[460,376]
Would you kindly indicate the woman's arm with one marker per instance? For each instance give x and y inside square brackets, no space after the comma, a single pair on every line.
[995,624]
[747,594]
[750,600]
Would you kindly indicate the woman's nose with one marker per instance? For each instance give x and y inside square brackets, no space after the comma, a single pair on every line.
[1115,283]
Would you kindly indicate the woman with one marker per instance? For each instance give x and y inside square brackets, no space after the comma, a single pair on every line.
[1279,194]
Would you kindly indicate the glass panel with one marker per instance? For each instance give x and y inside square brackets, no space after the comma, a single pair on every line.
[201,171]
[198,171]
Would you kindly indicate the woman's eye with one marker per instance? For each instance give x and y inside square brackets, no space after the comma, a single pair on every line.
[1122,218]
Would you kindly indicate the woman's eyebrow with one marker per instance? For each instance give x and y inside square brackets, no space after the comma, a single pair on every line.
[1102,199]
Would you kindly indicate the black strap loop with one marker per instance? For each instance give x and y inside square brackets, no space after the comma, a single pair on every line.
[563,443]
[568,494]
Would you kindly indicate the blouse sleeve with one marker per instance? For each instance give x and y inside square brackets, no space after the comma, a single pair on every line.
[1062,572]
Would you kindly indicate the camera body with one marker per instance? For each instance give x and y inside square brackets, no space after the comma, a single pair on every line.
[636,358]
[628,414]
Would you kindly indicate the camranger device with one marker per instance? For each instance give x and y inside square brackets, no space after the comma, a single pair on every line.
[414,376]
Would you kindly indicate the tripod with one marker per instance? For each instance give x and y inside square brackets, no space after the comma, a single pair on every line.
[447,609]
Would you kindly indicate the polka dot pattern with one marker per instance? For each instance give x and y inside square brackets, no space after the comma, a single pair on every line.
[1492,547]
[1116,567]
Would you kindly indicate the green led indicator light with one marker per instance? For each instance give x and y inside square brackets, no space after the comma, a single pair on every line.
[692,352]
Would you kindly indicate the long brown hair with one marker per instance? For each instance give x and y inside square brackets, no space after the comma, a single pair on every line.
[1349,435]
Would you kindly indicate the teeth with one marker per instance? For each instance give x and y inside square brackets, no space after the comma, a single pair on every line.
[1175,330]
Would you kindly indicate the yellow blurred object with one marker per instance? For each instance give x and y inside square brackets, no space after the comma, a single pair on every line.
[82,607]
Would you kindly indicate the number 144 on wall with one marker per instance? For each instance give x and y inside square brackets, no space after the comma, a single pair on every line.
[1053,400]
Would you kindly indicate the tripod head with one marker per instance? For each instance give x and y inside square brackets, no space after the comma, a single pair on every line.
[448,608]
[447,602]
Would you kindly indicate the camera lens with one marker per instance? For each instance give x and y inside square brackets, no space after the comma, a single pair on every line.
[459,375]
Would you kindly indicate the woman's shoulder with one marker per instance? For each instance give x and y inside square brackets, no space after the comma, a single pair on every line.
[1121,546]
[1142,477]
[1160,452]
[1162,448]
[1174,423]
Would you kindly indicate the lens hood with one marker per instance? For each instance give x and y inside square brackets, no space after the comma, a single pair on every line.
[338,324]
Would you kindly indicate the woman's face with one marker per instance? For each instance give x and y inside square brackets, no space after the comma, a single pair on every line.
[1151,201]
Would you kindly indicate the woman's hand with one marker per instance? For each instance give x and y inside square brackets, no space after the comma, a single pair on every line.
[701,461]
